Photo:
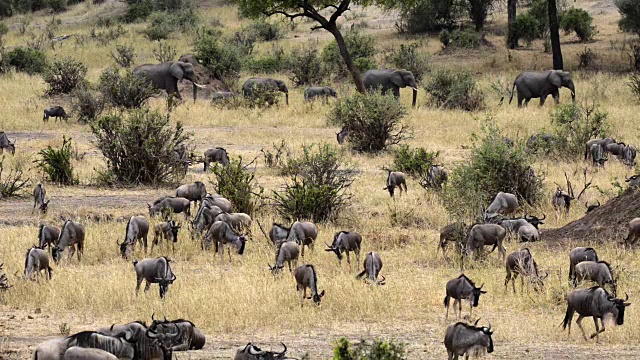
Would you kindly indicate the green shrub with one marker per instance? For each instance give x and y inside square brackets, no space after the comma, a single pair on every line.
[64,75]
[526,28]
[138,10]
[494,166]
[222,61]
[539,10]
[27,60]
[362,48]
[445,37]
[86,104]
[465,39]
[159,28]
[124,55]
[422,16]
[578,21]
[574,126]
[128,91]
[237,183]
[305,65]
[164,52]
[244,41]
[266,31]
[414,161]
[12,182]
[373,121]
[377,350]
[408,57]
[317,187]
[271,63]
[139,146]
[106,37]
[57,5]
[630,12]
[454,90]
[56,163]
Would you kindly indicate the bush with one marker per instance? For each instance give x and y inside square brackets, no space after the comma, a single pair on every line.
[635,57]
[586,58]
[64,75]
[526,28]
[408,57]
[27,60]
[580,21]
[494,166]
[244,41]
[159,28]
[222,61]
[377,350]
[164,52]
[630,11]
[427,15]
[454,90]
[373,121]
[414,161]
[86,104]
[266,31]
[465,39]
[139,146]
[574,126]
[540,11]
[138,10]
[129,91]
[56,163]
[13,183]
[445,37]
[124,55]
[317,188]
[362,48]
[271,63]
[237,183]
[57,5]
[306,66]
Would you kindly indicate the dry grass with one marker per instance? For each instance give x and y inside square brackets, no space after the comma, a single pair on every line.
[240,301]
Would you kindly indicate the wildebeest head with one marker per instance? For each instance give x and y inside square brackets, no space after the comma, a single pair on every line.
[342,135]
[164,282]
[174,230]
[265,355]
[317,297]
[590,208]
[275,269]
[534,220]
[164,340]
[620,305]
[633,181]
[335,246]
[125,248]
[475,295]
[44,206]
[56,253]
[487,331]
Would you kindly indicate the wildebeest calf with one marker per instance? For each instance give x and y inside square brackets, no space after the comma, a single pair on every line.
[599,272]
[167,231]
[39,194]
[36,260]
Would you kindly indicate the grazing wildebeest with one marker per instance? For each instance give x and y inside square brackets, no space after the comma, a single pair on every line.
[120,345]
[456,233]
[594,302]
[372,267]
[303,233]
[205,217]
[598,155]
[71,235]
[346,241]
[6,144]
[481,235]
[172,205]
[252,352]
[395,179]
[592,207]
[39,194]
[154,271]
[36,260]
[504,203]
[599,272]
[167,231]
[218,155]
[195,192]
[521,262]
[602,142]
[221,234]
[634,232]
[344,132]
[56,112]
[513,225]
[616,149]
[634,181]
[578,255]
[562,200]
[628,156]
[462,288]
[306,277]
[238,221]
[287,251]
[80,353]
[219,201]
[436,177]
[529,231]
[48,236]
[137,230]
[463,339]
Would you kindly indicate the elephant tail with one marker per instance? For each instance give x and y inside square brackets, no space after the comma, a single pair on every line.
[513,88]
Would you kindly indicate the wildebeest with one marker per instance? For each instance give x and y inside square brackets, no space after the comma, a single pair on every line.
[634,181]
[4,282]
[52,349]
[512,225]
[504,203]
[521,262]
[599,272]
[221,234]
[80,353]
[154,271]
[455,232]
[602,142]
[592,207]
[481,235]
[346,241]
[287,251]
[436,176]
[578,255]
[219,201]
[48,236]
[598,156]
[39,194]
[303,233]
[71,235]
[137,230]
[562,200]
[189,338]
[56,112]
[195,192]
[594,302]
[463,339]
[544,142]
[36,260]
[628,156]
[149,343]
[120,345]
[252,352]
[238,221]
[167,231]
[306,277]
[462,288]
[6,144]
[205,217]
[634,232]
[616,149]
[172,205]
[395,179]
[529,232]
[218,155]
[344,132]
[372,266]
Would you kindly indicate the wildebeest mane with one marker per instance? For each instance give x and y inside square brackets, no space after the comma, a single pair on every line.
[26,258]
[282,226]
[463,276]
[40,231]
[126,230]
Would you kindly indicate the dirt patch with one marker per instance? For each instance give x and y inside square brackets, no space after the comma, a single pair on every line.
[607,223]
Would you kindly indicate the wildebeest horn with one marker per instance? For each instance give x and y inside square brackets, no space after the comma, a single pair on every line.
[544,216]
[150,334]
[152,315]
[382,282]
[481,286]
[252,351]
[285,349]
[117,243]
[626,297]
[476,323]
[165,318]
[490,327]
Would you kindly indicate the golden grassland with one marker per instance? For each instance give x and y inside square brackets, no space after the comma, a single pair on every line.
[240,301]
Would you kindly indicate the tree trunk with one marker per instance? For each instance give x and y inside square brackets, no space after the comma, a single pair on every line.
[512,41]
[554,30]
[351,66]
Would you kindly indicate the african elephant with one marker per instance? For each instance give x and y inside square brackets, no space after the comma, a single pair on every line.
[540,84]
[319,92]
[390,79]
[165,76]
[264,84]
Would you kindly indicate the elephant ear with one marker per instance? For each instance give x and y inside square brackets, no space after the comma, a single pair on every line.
[555,79]
[396,79]
[176,70]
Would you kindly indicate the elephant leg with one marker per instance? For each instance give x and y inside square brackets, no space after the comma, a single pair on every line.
[543,98]
[520,99]
[526,102]
[396,93]
[556,96]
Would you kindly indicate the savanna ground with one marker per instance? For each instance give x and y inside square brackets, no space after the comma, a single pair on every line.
[238,302]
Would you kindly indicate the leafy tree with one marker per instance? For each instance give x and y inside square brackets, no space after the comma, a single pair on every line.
[630,12]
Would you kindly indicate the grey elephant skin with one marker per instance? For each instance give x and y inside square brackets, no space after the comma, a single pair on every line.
[390,80]
[253,84]
[540,84]
[323,92]
[165,76]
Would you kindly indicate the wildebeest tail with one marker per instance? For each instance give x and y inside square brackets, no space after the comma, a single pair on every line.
[567,317]
[446,301]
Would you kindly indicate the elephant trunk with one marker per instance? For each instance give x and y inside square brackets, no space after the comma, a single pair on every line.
[415,96]
[195,92]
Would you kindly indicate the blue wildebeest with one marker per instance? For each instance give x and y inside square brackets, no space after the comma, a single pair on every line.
[302,232]
[217,200]
[463,339]
[598,155]
[218,155]
[137,230]
[120,345]
[529,232]
[169,205]
[462,288]
[344,132]
[602,142]
[504,203]
[149,343]
[372,267]
[634,181]
[346,241]
[167,231]
[287,251]
[562,200]
[6,144]
[481,235]
[221,234]
[594,302]
[189,336]
[36,260]
[48,236]
[71,235]
[195,192]
[39,194]
[456,233]
[521,262]
[436,177]
[56,112]
[154,271]
[634,232]
[395,179]
[237,221]
[252,352]
[592,207]
[599,272]
[80,353]
[306,277]
[576,256]
[203,220]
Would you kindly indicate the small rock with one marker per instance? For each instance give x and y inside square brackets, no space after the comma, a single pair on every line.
[29,317]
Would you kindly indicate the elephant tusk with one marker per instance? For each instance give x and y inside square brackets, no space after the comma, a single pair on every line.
[415,89]
[200,86]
